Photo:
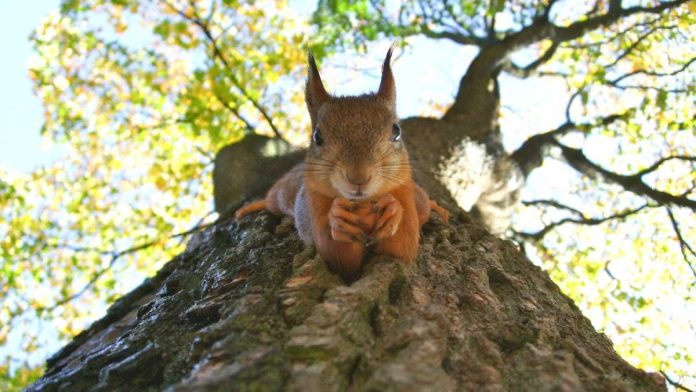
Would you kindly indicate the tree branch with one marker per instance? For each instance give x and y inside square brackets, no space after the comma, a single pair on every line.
[683,245]
[530,69]
[452,36]
[235,112]
[544,29]
[659,163]
[675,383]
[613,38]
[581,219]
[614,82]
[217,53]
[637,42]
[115,255]
[634,183]
[530,155]
[553,203]
[491,58]
[614,14]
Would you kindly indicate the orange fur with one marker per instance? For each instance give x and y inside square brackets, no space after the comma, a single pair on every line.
[356,153]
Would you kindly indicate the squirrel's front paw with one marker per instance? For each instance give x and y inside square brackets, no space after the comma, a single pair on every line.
[390,215]
[344,223]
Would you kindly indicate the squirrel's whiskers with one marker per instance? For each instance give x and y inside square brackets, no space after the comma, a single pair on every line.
[356,186]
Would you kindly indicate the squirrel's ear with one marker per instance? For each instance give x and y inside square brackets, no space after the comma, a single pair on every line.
[315,93]
[387,87]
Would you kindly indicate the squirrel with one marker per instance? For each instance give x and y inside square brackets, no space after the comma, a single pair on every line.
[355,189]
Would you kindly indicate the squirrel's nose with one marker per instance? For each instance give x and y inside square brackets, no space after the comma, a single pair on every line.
[358,178]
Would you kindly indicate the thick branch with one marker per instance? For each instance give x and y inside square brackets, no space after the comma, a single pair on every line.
[531,68]
[614,38]
[531,154]
[491,58]
[544,29]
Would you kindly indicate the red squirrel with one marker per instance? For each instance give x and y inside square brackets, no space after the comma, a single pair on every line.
[355,188]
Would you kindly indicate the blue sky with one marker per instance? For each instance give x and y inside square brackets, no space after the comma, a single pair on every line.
[20,111]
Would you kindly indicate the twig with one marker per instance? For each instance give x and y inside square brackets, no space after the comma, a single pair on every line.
[675,383]
[115,255]
[217,52]
[683,245]
[583,221]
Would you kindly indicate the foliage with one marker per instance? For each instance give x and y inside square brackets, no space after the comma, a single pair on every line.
[623,252]
[142,94]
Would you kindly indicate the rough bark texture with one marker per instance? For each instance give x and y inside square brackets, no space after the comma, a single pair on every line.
[246,307]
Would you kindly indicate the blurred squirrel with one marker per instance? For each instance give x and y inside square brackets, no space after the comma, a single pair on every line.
[355,188]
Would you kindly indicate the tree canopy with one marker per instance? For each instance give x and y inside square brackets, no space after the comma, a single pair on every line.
[143,94]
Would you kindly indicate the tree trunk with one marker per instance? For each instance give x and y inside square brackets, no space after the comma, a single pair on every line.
[245,307]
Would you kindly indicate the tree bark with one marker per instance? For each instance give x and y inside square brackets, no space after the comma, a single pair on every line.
[246,307]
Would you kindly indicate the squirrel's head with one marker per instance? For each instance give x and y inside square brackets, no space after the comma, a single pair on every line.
[356,149]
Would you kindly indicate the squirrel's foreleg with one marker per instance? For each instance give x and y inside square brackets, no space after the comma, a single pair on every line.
[400,242]
[337,236]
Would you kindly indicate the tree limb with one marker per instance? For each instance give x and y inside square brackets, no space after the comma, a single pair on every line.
[488,62]
[115,255]
[217,53]
[544,29]
[234,111]
[530,155]
[581,219]
[675,383]
[452,36]
[637,42]
[659,163]
[613,38]
[553,203]
[614,14]
[614,82]
[634,182]
[530,69]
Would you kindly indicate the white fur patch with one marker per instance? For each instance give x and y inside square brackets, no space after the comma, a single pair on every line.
[471,177]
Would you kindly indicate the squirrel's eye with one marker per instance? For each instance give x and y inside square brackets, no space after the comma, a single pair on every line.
[396,132]
[316,137]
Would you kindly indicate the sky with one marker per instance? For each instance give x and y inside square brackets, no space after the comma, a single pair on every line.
[21,146]
[436,65]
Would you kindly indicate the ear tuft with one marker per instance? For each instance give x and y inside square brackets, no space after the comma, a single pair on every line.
[315,93]
[387,86]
